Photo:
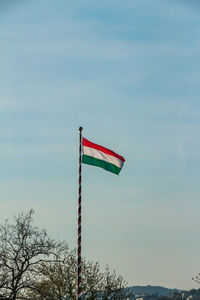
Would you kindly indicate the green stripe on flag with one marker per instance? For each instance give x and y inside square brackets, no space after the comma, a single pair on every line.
[89,160]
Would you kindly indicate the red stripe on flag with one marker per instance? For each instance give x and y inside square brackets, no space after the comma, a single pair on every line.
[100,148]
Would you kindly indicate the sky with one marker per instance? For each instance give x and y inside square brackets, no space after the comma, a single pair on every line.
[128,73]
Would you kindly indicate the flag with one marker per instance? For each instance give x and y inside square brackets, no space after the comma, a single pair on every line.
[102,157]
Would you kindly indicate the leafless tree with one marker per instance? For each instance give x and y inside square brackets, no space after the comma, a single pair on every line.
[22,247]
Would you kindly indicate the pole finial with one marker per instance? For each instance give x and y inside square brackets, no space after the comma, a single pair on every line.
[80,128]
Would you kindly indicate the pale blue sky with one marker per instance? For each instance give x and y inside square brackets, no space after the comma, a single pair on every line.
[128,72]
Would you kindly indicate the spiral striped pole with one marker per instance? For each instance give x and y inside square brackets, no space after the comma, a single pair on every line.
[79,292]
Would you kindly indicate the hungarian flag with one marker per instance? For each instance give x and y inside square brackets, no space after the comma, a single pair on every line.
[102,157]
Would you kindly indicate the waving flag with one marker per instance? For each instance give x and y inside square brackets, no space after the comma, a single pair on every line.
[102,157]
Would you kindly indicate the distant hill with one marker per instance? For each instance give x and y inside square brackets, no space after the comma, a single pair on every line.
[151,290]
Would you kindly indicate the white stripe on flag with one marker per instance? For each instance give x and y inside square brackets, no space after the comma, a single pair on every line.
[101,155]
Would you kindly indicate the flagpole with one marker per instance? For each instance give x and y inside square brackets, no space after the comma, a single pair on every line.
[79,279]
